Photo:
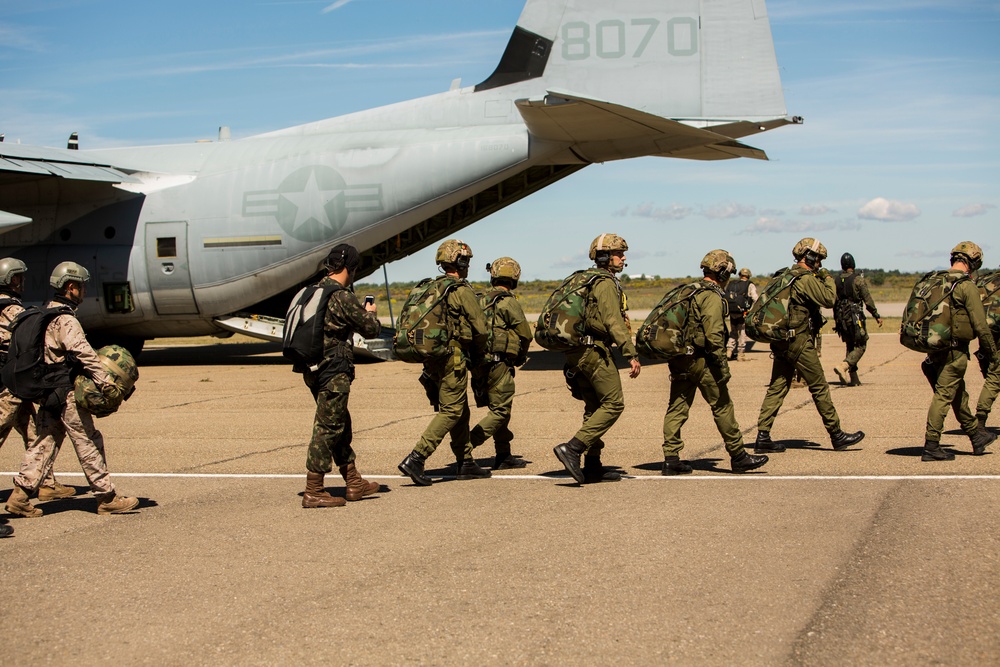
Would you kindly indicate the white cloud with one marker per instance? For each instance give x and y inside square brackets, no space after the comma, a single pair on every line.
[777,226]
[728,211]
[672,212]
[620,213]
[337,5]
[886,210]
[813,210]
[972,210]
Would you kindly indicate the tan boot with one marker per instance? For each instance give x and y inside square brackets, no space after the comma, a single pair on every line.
[357,486]
[54,492]
[843,371]
[19,504]
[316,496]
[117,504]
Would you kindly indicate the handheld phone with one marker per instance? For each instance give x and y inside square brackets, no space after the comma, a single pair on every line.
[369,298]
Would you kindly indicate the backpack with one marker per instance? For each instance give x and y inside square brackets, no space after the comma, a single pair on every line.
[422,329]
[562,323]
[120,365]
[847,312]
[26,375]
[666,332]
[767,321]
[738,297]
[926,325]
[488,302]
[989,290]
[302,340]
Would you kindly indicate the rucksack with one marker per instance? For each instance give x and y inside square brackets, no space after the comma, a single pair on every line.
[926,325]
[767,321]
[989,290]
[121,367]
[302,340]
[846,311]
[738,297]
[562,323]
[422,329]
[26,375]
[488,302]
[665,334]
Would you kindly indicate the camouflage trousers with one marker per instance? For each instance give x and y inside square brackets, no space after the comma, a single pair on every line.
[738,338]
[496,423]
[949,390]
[594,379]
[991,386]
[451,376]
[19,416]
[52,429]
[688,375]
[332,431]
[799,355]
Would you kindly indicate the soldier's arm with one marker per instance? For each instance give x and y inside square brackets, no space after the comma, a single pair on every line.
[518,323]
[469,305]
[752,291]
[346,310]
[861,287]
[967,296]
[609,311]
[819,290]
[714,326]
[74,342]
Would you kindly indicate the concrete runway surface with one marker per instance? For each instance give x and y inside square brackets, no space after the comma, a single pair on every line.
[867,556]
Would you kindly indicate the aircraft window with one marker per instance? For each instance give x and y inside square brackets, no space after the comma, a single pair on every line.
[118,298]
[109,232]
[64,234]
[166,247]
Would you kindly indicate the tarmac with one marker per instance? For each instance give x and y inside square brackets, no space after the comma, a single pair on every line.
[867,556]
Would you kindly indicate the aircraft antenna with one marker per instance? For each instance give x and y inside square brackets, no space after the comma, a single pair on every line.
[388,297]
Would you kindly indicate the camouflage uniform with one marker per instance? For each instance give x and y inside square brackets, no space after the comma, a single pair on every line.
[331,382]
[449,375]
[809,293]
[64,338]
[968,321]
[857,293]
[511,338]
[702,372]
[991,387]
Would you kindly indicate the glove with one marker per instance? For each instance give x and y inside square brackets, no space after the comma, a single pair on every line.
[985,363]
[721,373]
[431,390]
[823,274]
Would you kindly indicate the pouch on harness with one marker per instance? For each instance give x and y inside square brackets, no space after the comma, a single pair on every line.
[422,330]
[926,325]
[847,313]
[26,375]
[665,334]
[768,319]
[562,324]
[989,290]
[302,340]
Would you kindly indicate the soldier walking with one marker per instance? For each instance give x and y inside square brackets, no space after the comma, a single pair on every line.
[853,297]
[989,288]
[740,295]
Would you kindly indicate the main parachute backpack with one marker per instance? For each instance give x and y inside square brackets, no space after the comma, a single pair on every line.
[120,365]
[847,312]
[738,298]
[926,323]
[767,321]
[302,341]
[497,344]
[989,290]
[666,332]
[26,375]
[422,330]
[562,323]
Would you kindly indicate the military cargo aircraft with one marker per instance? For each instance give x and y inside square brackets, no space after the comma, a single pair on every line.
[206,238]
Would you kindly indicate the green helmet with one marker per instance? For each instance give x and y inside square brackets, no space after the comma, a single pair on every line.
[10,267]
[719,262]
[68,272]
[454,252]
[504,267]
[969,252]
[807,245]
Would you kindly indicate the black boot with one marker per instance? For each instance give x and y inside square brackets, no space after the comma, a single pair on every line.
[5,530]
[855,380]
[744,462]
[982,420]
[569,454]
[413,467]
[981,440]
[933,452]
[469,469]
[842,440]
[765,444]
[672,465]
[504,460]
[594,471]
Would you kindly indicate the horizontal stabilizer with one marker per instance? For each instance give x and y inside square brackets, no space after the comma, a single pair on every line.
[9,221]
[69,164]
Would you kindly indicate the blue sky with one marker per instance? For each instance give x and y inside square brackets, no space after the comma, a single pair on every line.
[897,160]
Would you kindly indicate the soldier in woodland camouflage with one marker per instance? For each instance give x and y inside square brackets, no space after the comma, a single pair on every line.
[330,384]
[852,297]
[590,369]
[813,289]
[989,287]
[946,368]
[511,337]
[448,377]
[706,371]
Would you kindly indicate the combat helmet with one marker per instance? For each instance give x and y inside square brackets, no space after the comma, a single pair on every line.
[847,261]
[968,252]
[10,267]
[719,262]
[342,256]
[504,268]
[810,250]
[454,252]
[68,272]
[603,245]
[745,273]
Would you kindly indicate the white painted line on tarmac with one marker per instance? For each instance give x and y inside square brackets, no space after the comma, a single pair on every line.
[549,478]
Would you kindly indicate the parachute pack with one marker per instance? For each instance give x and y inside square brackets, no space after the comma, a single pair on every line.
[422,329]
[738,297]
[497,344]
[120,365]
[26,375]
[665,334]
[989,290]
[767,321]
[847,312]
[302,341]
[562,324]
[927,322]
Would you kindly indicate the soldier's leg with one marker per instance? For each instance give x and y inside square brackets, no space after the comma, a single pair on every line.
[331,427]
[808,364]
[451,402]
[724,413]
[37,462]
[605,402]
[684,376]
[988,395]
[782,371]
[743,339]
[950,379]
[89,445]
[501,398]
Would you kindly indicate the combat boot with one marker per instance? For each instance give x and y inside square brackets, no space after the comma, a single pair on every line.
[982,421]
[843,371]
[743,462]
[855,380]
[357,486]
[469,469]
[5,530]
[413,467]
[316,496]
[764,444]
[934,452]
[735,355]
[115,503]
[841,440]
[672,465]
[594,471]
[569,454]
[981,440]
[54,492]
[504,460]
[19,504]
